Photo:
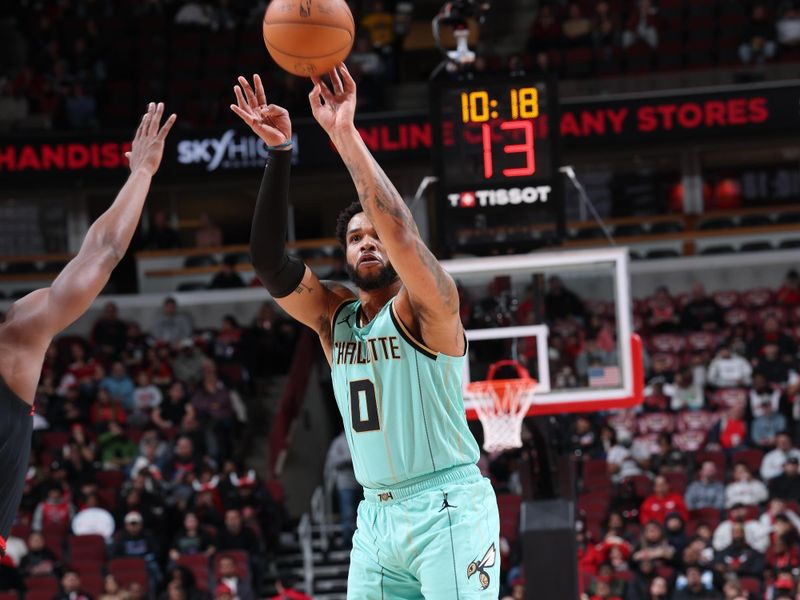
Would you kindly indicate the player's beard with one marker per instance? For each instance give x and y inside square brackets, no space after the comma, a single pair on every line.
[384,278]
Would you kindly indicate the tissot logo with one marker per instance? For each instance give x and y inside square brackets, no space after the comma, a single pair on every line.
[501,197]
[225,152]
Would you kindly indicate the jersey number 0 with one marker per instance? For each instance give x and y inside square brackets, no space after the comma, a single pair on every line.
[363,389]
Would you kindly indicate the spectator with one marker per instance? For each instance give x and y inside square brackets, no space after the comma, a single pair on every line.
[172,326]
[621,462]
[729,370]
[763,393]
[227,277]
[545,31]
[657,506]
[183,463]
[146,397]
[40,560]
[701,312]
[576,28]
[14,106]
[771,332]
[339,472]
[592,355]
[787,484]
[642,26]
[284,585]
[658,589]
[105,410]
[562,303]
[744,490]
[195,14]
[776,370]
[147,461]
[236,536]
[789,294]
[685,393]
[229,337]
[695,588]
[161,236]
[788,27]
[188,365]
[605,29]
[80,108]
[368,71]
[653,546]
[739,557]
[730,432]
[773,461]
[212,404]
[117,450]
[134,541]
[191,540]
[780,521]
[112,589]
[766,426]
[378,23]
[662,316]
[668,458]
[759,44]
[706,491]
[756,534]
[240,588]
[109,331]
[70,588]
[55,511]
[169,414]
[208,234]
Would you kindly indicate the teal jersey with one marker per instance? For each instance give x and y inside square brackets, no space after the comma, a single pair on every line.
[401,402]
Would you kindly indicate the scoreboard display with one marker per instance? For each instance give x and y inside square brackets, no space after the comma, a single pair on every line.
[496,158]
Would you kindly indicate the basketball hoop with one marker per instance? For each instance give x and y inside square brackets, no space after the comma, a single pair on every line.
[501,405]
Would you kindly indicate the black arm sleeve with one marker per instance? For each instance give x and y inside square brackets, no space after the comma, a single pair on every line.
[280,273]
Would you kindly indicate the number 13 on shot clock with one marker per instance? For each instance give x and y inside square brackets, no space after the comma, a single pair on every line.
[495,146]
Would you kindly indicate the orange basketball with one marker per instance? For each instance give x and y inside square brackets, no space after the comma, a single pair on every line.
[308,37]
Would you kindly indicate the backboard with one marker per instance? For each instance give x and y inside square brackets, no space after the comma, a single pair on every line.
[566,316]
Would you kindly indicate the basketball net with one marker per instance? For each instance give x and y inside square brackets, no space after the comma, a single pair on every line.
[501,406]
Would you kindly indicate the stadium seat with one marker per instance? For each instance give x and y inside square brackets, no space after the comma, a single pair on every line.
[711,516]
[667,342]
[643,485]
[759,246]
[666,227]
[701,341]
[752,585]
[677,481]
[87,547]
[663,363]
[9,596]
[200,260]
[695,420]
[509,507]
[689,441]
[662,253]
[198,565]
[43,584]
[789,244]
[775,312]
[726,298]
[92,583]
[729,397]
[788,218]
[755,221]
[752,458]
[126,564]
[192,286]
[658,422]
[717,249]
[86,566]
[718,458]
[110,479]
[736,316]
[758,297]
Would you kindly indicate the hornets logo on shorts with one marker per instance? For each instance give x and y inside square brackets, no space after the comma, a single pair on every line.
[480,567]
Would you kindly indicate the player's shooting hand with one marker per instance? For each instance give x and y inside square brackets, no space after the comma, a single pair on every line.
[334,107]
[270,122]
[148,144]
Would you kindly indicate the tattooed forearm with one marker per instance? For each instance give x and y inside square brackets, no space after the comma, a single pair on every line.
[444,284]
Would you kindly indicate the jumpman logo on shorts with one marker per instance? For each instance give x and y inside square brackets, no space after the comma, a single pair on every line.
[446,504]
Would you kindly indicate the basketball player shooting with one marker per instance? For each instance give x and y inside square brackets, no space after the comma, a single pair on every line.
[34,320]
[428,526]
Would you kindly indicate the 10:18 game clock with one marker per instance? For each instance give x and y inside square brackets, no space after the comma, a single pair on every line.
[495,155]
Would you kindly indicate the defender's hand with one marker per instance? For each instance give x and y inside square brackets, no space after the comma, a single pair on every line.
[148,144]
[270,122]
[334,109]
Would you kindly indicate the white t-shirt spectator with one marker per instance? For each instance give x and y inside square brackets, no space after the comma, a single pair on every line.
[755,534]
[773,461]
[623,458]
[789,29]
[146,398]
[751,493]
[729,372]
[757,401]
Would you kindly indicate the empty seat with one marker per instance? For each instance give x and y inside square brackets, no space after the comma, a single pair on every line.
[711,516]
[789,244]
[198,565]
[662,253]
[238,258]
[759,246]
[787,218]
[726,298]
[200,260]
[719,249]
[719,223]
[509,507]
[752,458]
[666,227]
[757,297]
[87,547]
[718,458]
[755,221]
[192,286]
[110,479]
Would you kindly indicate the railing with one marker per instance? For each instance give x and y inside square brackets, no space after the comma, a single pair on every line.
[304,535]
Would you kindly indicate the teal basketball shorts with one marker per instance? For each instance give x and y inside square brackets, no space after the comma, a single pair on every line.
[437,539]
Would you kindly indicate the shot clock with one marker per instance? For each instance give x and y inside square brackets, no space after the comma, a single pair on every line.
[495,157]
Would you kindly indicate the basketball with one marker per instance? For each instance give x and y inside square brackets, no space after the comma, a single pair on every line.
[308,37]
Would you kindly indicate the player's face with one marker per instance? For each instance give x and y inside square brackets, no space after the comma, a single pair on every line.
[367,262]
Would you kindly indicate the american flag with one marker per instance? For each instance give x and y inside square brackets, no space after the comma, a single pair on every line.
[603,376]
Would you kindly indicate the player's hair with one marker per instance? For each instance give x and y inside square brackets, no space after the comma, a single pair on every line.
[343,220]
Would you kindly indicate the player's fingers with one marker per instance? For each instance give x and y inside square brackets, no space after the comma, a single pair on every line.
[336,81]
[240,97]
[315,95]
[248,92]
[156,120]
[162,134]
[260,95]
[127,155]
[326,93]
[347,79]
[244,115]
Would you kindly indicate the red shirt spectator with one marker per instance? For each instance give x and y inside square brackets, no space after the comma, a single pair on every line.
[662,502]
[789,294]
